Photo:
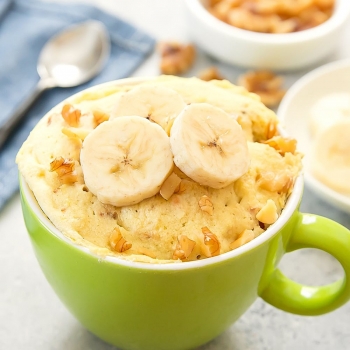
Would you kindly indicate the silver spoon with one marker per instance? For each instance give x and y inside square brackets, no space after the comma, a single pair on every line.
[68,59]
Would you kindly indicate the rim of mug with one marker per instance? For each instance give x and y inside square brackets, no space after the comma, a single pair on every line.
[291,205]
[288,210]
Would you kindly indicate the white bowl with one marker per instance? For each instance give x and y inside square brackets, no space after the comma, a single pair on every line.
[294,111]
[265,51]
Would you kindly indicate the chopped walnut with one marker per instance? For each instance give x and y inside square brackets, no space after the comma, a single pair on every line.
[324,4]
[245,237]
[268,213]
[221,8]
[272,16]
[271,129]
[117,242]
[183,248]
[99,117]
[211,243]
[281,182]
[214,2]
[176,58]
[71,115]
[78,134]
[265,84]
[243,18]
[282,144]
[287,188]
[312,18]
[64,168]
[211,73]
[169,186]
[206,205]
[180,188]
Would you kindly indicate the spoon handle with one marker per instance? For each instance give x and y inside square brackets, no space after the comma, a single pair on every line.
[19,113]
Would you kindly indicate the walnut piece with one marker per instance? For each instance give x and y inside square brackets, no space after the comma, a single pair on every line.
[281,182]
[65,169]
[221,8]
[183,248]
[271,129]
[71,115]
[210,73]
[176,58]
[181,188]
[272,16]
[211,243]
[282,144]
[99,117]
[75,134]
[169,186]
[206,205]
[268,213]
[265,84]
[117,242]
[245,237]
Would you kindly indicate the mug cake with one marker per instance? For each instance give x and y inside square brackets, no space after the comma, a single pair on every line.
[161,170]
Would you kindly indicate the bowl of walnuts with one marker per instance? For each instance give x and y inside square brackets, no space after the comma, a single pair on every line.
[268,34]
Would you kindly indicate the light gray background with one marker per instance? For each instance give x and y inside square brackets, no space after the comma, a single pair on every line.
[32,317]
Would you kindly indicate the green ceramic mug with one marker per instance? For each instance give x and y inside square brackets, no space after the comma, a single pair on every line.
[183,305]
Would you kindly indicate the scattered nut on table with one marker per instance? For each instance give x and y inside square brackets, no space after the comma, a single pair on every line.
[210,73]
[264,83]
[176,58]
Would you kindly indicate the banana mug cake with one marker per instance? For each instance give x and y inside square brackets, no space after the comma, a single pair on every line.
[165,170]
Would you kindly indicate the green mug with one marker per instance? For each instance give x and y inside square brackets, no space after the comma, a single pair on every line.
[136,305]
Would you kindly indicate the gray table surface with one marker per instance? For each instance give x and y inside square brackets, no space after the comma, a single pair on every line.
[32,317]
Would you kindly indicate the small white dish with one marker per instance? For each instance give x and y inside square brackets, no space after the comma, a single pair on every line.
[294,113]
[249,49]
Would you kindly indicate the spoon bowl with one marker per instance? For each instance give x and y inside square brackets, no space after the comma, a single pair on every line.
[68,59]
[74,56]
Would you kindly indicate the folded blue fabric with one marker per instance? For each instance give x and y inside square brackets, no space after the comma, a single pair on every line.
[25,27]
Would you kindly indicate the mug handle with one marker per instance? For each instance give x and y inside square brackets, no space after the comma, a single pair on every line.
[312,231]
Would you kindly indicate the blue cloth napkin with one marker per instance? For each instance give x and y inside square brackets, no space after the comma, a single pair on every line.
[25,26]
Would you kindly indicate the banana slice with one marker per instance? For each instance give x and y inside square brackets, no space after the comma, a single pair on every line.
[126,160]
[209,145]
[329,110]
[158,104]
[330,157]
